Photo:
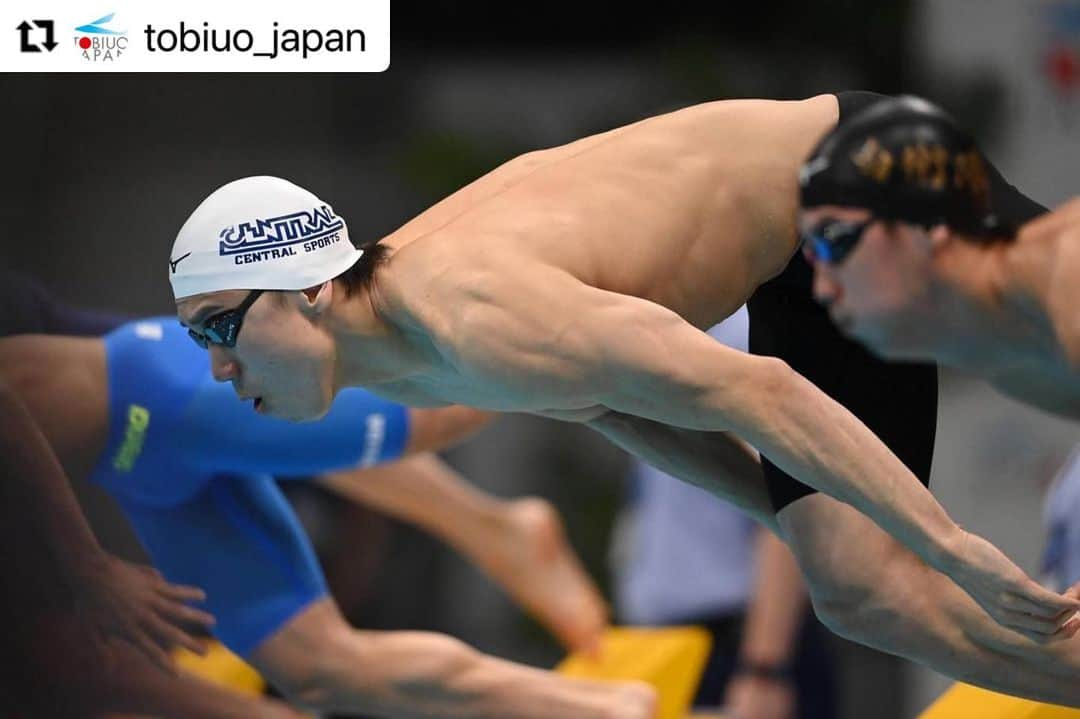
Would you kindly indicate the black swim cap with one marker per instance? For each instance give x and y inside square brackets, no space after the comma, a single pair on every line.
[904,159]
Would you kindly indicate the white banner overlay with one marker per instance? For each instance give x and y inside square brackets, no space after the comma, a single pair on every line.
[194,36]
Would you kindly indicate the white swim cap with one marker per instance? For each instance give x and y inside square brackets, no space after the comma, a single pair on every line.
[259,233]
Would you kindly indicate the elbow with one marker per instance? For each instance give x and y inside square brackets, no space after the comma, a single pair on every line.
[400,673]
[846,618]
[775,378]
[763,390]
[871,618]
[326,680]
[314,690]
[852,599]
[440,680]
[875,614]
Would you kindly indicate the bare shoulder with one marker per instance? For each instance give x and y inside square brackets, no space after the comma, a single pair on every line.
[506,322]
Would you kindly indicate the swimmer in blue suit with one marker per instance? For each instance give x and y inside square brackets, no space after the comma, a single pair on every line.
[191,465]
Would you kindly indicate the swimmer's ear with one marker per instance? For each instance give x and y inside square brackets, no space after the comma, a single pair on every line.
[316,300]
[940,235]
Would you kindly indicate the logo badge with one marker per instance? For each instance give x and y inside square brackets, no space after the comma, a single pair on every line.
[273,238]
[173,263]
[98,43]
[873,160]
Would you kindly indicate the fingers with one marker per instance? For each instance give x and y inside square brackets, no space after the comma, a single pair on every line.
[169,635]
[1039,638]
[152,650]
[1026,622]
[1037,601]
[181,614]
[1031,598]
[1039,629]
[181,592]
[1070,628]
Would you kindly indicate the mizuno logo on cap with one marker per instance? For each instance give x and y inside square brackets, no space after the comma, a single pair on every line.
[173,263]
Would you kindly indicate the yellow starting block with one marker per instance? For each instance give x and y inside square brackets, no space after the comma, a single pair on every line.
[963,701]
[670,658]
[221,667]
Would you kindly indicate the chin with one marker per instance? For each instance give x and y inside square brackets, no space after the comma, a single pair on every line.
[289,414]
[891,347]
[308,413]
[877,343]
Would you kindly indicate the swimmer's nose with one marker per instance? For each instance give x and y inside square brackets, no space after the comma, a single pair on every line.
[222,366]
[826,289]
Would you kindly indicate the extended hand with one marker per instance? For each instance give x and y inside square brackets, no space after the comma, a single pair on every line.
[134,603]
[1013,599]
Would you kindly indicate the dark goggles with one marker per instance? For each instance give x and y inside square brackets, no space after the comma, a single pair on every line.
[832,240]
[222,328]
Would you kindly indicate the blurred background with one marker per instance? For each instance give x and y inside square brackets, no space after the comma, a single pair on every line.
[100,171]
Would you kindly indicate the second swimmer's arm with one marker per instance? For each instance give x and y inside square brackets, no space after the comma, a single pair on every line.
[323,664]
[636,357]
[715,461]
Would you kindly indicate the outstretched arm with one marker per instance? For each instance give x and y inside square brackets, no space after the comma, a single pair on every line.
[322,663]
[641,359]
[519,544]
[867,587]
[360,428]
[715,461]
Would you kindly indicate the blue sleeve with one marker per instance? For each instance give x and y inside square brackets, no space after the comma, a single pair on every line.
[221,433]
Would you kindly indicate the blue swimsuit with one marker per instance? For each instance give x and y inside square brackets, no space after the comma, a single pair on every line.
[191,465]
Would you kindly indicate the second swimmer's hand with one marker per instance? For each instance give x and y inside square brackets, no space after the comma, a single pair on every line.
[1008,595]
[134,603]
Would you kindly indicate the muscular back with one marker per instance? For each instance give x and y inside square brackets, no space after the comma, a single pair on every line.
[691,210]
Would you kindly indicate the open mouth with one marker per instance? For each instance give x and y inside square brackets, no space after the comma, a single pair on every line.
[257,402]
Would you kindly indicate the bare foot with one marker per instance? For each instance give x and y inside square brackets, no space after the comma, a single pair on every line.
[535,564]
